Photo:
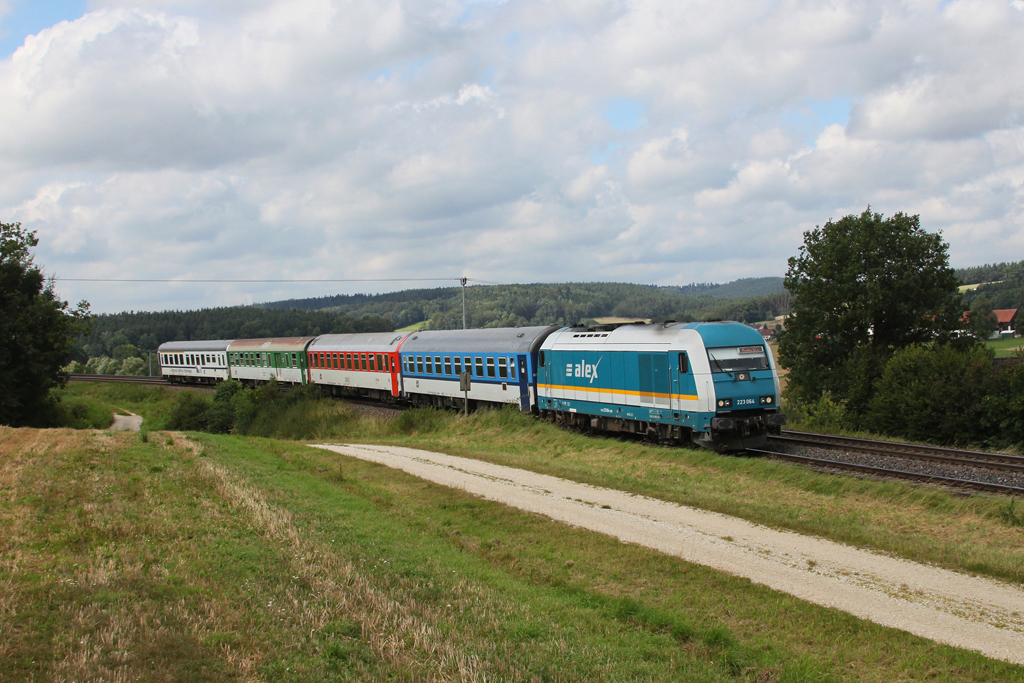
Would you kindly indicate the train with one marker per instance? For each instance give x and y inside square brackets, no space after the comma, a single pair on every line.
[714,384]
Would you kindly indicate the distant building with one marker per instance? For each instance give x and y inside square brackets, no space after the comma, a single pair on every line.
[766,332]
[1006,318]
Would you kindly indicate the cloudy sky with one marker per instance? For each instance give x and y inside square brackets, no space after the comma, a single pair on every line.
[654,141]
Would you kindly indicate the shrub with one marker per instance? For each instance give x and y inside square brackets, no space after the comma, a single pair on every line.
[826,414]
[940,394]
[190,412]
[80,413]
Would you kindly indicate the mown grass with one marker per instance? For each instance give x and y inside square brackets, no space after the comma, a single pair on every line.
[1005,348]
[975,533]
[222,558]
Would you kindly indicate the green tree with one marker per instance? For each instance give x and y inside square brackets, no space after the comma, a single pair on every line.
[864,287]
[982,321]
[37,333]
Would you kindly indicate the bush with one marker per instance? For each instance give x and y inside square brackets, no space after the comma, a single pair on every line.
[826,414]
[940,394]
[133,366]
[80,413]
[190,412]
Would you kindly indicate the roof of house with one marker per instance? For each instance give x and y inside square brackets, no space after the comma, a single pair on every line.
[1005,315]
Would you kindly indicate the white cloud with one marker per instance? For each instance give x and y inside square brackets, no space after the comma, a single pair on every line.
[425,138]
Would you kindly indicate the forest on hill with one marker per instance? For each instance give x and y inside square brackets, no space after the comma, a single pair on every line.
[567,303]
[486,306]
[1004,288]
[146,331]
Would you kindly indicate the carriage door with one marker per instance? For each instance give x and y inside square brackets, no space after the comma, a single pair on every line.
[524,386]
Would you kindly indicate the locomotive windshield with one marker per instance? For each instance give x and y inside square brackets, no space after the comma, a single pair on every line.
[737,359]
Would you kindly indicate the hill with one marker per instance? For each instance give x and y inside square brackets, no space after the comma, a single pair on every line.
[147,331]
[561,303]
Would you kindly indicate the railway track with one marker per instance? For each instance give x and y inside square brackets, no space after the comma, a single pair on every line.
[896,454]
[122,379]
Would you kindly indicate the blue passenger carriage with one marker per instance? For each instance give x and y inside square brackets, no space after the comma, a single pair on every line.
[501,363]
[711,383]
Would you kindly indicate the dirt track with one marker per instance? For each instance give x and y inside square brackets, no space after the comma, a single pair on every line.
[959,610]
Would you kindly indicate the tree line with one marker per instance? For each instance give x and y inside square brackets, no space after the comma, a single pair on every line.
[146,331]
[558,304]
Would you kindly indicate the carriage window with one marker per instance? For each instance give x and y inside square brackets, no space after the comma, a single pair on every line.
[479,366]
[512,368]
[437,364]
[503,368]
[447,365]
[490,367]
[419,364]
[380,362]
[458,365]
[372,363]
[295,360]
[430,366]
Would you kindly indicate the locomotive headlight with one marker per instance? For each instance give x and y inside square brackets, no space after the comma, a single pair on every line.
[767,400]
[725,403]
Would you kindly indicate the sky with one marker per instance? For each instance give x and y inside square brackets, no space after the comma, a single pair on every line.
[651,141]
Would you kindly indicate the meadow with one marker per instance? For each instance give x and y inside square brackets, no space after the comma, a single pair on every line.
[169,556]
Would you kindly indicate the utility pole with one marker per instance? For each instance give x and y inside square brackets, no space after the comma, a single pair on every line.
[464,280]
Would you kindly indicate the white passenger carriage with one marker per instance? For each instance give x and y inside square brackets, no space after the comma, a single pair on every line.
[362,365]
[194,362]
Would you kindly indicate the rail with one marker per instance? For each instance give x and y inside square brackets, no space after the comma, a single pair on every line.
[124,379]
[936,455]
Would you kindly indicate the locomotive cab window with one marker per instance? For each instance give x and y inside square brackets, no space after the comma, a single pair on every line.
[738,358]
[684,363]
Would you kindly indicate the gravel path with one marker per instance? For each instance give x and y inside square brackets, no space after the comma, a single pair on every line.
[956,609]
[126,423]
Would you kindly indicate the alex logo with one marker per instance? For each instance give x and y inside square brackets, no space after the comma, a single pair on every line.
[583,370]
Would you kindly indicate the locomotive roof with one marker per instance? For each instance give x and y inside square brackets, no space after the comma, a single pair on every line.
[725,333]
[190,346]
[271,344]
[373,341]
[487,340]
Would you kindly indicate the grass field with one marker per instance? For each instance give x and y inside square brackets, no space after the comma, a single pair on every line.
[1005,348]
[227,558]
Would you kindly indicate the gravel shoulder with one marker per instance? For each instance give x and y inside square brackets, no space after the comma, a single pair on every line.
[963,611]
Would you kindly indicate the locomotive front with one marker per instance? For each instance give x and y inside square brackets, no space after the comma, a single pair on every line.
[743,387]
